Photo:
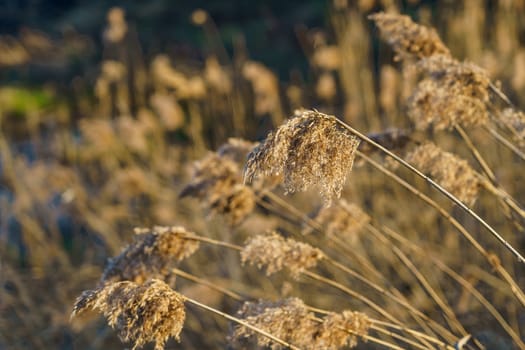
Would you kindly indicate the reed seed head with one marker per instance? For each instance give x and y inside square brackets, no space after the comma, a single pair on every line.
[310,149]
[451,172]
[217,182]
[453,93]
[150,255]
[275,252]
[290,320]
[141,313]
[514,120]
[285,319]
[408,39]
[342,329]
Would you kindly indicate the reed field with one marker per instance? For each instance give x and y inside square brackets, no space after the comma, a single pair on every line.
[352,181]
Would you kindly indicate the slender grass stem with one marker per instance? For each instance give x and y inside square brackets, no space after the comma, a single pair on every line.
[501,139]
[459,279]
[437,187]
[488,256]
[479,158]
[241,322]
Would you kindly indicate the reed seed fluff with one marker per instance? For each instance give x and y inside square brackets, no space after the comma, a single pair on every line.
[310,149]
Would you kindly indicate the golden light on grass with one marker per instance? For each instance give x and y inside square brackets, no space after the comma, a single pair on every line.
[290,319]
[141,313]
[217,182]
[310,149]
[275,253]
[150,255]
[453,93]
[453,173]
[408,39]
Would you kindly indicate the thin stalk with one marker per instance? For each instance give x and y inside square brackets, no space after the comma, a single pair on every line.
[317,227]
[501,139]
[370,338]
[504,196]
[212,241]
[399,337]
[206,283]
[241,322]
[238,297]
[501,95]
[489,257]
[459,279]
[437,187]
[447,310]
[353,294]
[401,301]
[413,332]
[481,161]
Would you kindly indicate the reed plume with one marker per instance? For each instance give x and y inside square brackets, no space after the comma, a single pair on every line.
[150,255]
[141,313]
[408,39]
[290,319]
[217,182]
[452,93]
[453,173]
[275,252]
[310,149]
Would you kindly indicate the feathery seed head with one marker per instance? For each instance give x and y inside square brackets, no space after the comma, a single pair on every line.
[217,182]
[453,93]
[286,319]
[235,204]
[514,120]
[450,171]
[334,331]
[311,149]
[150,256]
[290,320]
[408,39]
[276,252]
[141,313]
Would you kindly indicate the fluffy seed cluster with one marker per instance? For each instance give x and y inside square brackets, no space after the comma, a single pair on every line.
[310,149]
[275,252]
[290,320]
[451,172]
[217,182]
[150,255]
[141,313]
[344,220]
[453,93]
[408,39]
[515,121]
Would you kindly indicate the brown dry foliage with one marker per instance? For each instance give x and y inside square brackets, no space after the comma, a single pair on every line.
[141,313]
[310,149]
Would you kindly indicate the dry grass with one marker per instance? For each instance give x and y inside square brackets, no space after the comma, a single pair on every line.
[415,270]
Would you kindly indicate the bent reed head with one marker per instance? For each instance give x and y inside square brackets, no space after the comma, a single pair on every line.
[310,149]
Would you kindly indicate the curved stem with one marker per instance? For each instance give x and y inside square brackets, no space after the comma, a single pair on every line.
[242,323]
[459,279]
[437,187]
[501,139]
[488,256]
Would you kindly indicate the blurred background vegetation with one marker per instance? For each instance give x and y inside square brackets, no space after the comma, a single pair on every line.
[104,105]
